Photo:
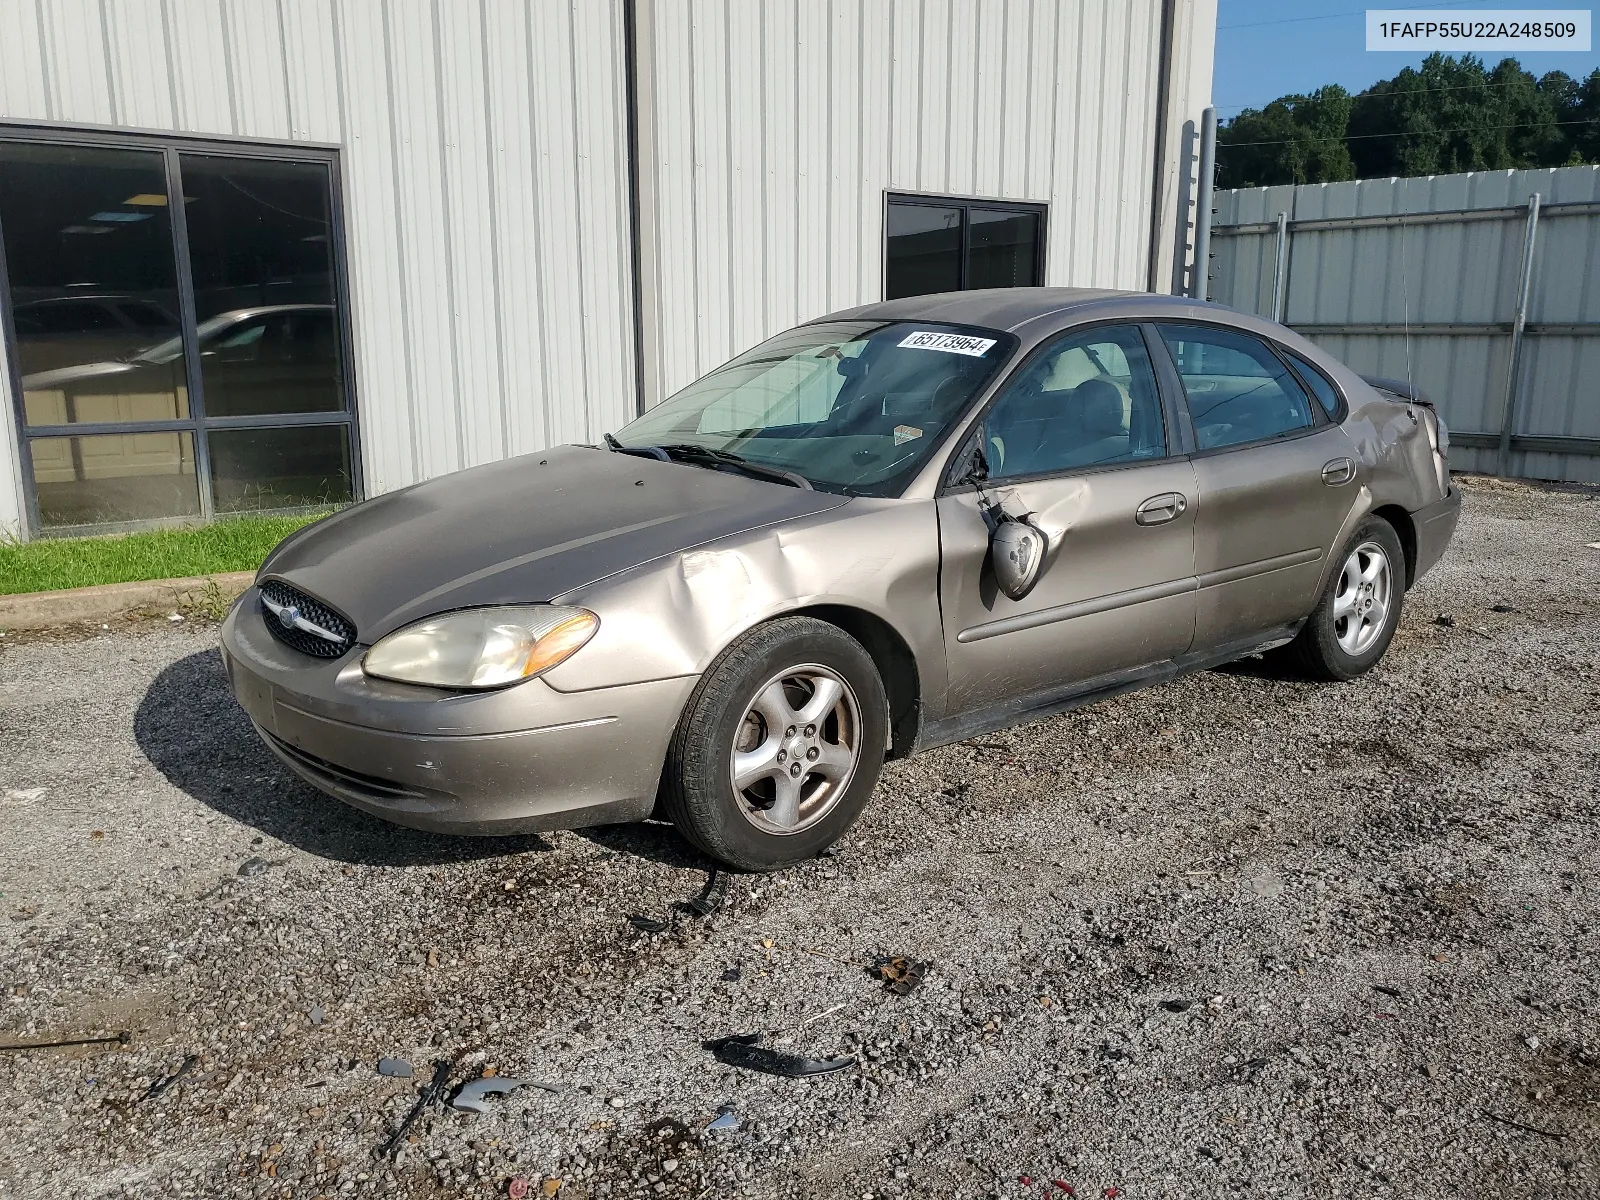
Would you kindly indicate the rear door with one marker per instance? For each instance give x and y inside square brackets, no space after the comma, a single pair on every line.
[1079,439]
[1275,477]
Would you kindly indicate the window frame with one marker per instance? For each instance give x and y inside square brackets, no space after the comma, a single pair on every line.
[966,204]
[1172,427]
[170,146]
[1314,406]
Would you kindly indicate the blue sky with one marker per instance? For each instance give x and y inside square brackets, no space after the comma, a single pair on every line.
[1267,49]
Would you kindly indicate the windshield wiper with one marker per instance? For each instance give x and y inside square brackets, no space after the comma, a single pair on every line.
[689,451]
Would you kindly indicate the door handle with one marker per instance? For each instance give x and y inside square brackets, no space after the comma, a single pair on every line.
[1338,471]
[1158,510]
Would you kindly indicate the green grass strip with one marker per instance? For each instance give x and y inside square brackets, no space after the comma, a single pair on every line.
[232,544]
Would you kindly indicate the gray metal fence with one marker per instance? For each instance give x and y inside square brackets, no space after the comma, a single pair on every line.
[1482,288]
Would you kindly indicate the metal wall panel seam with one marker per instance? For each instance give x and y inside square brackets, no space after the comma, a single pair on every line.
[400,249]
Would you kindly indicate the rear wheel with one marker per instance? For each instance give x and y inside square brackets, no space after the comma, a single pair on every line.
[1359,609]
[779,747]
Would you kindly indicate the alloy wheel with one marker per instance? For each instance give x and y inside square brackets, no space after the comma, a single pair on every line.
[1361,603]
[796,749]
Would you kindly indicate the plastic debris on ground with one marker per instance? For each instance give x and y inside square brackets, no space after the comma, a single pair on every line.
[120,1038]
[394,1068]
[647,924]
[726,1119]
[899,974]
[1446,620]
[431,1095]
[190,1061]
[743,1050]
[470,1096]
[711,897]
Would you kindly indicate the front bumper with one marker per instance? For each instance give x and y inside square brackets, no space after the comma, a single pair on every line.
[517,760]
[1435,525]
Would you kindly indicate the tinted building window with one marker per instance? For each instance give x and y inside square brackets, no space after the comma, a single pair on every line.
[104,326]
[939,245]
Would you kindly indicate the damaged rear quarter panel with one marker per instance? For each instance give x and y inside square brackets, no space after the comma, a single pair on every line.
[672,617]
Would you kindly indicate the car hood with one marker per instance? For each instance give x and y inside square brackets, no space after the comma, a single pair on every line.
[521,531]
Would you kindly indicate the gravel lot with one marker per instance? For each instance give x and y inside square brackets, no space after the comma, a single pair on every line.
[1237,933]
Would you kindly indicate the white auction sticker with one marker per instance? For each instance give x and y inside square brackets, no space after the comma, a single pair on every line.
[1413,30]
[950,343]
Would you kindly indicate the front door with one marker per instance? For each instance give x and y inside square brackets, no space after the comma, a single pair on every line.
[1276,480]
[1078,439]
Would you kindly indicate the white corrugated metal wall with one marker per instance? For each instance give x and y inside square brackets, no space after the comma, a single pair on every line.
[485,189]
[485,169]
[1458,277]
[770,133]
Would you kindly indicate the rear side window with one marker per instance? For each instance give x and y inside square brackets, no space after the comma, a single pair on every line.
[1238,390]
[1314,379]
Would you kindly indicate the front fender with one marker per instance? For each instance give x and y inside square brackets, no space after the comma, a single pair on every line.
[672,617]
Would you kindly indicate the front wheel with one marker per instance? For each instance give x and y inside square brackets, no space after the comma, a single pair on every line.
[1359,610]
[779,747]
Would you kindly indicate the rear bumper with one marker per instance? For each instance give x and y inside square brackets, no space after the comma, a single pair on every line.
[1435,525]
[524,759]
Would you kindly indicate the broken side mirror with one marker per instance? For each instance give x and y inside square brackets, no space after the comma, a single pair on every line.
[1016,552]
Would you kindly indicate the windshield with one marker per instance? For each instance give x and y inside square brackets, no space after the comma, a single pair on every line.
[852,406]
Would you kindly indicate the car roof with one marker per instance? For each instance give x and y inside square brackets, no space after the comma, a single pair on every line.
[1035,313]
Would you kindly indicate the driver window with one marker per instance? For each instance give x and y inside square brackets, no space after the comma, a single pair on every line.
[1089,400]
[1238,390]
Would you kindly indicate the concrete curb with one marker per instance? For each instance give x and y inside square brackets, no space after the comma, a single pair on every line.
[77,606]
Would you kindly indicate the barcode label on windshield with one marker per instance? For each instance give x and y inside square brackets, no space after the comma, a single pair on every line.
[950,343]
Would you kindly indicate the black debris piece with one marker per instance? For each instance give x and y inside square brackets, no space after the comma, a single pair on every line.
[1177,1006]
[647,924]
[742,1050]
[1386,990]
[1549,1133]
[1446,620]
[732,975]
[120,1038]
[430,1096]
[1502,608]
[711,897]
[190,1061]
[394,1068]
[899,974]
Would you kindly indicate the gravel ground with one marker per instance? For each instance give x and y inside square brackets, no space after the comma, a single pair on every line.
[1236,933]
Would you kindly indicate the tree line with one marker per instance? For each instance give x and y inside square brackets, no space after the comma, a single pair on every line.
[1451,115]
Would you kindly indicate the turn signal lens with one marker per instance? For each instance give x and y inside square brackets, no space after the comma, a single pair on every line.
[482,647]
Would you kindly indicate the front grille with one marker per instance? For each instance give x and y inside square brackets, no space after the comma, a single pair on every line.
[370,786]
[287,611]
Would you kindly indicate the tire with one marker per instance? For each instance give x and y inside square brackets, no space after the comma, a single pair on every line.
[805,790]
[1329,647]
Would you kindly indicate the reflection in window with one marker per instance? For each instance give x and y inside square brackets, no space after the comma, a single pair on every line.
[953,245]
[297,466]
[101,337]
[93,283]
[112,479]
[1238,390]
[1089,400]
[261,252]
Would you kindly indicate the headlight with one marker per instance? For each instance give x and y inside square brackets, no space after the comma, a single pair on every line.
[481,647]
